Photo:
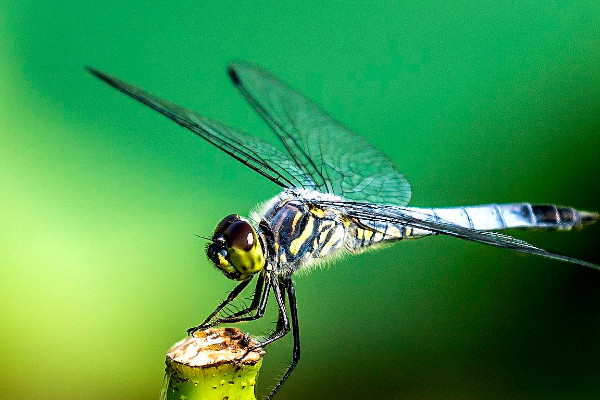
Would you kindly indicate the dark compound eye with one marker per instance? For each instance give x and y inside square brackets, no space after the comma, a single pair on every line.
[225,222]
[240,235]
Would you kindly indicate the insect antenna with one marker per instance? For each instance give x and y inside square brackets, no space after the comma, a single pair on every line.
[204,237]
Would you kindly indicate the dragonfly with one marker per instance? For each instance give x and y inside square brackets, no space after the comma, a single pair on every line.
[339,195]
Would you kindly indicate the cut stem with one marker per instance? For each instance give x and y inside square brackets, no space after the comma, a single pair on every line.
[208,365]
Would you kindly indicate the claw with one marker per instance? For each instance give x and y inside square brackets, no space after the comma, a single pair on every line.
[191,331]
[202,327]
[239,361]
[248,351]
[195,329]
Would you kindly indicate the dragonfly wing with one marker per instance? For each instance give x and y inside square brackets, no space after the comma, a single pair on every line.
[399,215]
[253,152]
[337,159]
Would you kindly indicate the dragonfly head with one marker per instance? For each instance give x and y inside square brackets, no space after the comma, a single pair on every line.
[235,249]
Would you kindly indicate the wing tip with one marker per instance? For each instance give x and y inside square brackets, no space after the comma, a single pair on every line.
[240,69]
[233,75]
[101,75]
[94,71]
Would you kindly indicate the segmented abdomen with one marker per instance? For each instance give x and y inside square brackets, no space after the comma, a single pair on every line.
[483,217]
[364,234]
[516,215]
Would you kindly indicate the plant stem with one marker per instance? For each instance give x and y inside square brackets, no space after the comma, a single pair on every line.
[208,365]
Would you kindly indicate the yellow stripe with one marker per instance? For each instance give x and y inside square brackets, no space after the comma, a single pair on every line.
[345,221]
[359,233]
[337,235]
[299,241]
[368,235]
[408,231]
[295,221]
[316,211]
[325,231]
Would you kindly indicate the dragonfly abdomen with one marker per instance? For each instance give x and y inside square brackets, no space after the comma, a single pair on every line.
[365,234]
[515,215]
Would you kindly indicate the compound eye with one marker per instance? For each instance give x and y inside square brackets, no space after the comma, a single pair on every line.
[225,222]
[240,235]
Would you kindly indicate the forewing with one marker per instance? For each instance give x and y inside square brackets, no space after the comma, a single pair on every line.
[398,215]
[337,159]
[253,152]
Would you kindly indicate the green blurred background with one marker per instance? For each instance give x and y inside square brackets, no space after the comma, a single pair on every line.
[100,198]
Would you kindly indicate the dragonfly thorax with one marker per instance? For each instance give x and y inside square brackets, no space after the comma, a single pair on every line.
[235,249]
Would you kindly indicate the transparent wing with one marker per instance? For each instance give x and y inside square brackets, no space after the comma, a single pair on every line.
[262,157]
[398,215]
[338,160]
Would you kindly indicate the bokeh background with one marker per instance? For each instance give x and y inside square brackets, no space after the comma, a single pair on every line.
[100,198]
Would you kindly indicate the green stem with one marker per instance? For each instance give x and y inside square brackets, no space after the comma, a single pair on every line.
[209,366]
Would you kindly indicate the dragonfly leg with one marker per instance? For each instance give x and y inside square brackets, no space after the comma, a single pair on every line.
[259,304]
[231,297]
[260,309]
[283,324]
[258,292]
[289,286]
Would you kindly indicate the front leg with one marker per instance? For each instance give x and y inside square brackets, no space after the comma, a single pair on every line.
[256,300]
[261,298]
[231,297]
[259,303]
